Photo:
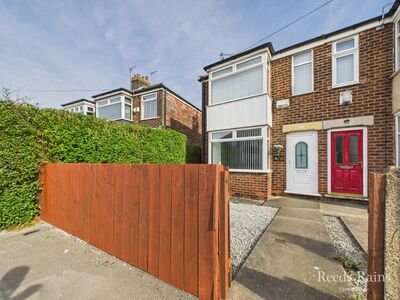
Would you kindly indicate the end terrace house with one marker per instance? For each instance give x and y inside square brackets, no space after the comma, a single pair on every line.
[311,119]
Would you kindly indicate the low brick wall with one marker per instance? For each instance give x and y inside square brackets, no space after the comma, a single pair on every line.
[250,185]
[392,234]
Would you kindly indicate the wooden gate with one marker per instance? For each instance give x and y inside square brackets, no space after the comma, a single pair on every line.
[171,221]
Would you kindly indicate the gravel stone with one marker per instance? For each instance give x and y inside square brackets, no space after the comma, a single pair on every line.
[348,251]
[248,223]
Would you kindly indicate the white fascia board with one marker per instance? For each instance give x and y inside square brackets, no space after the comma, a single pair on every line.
[330,39]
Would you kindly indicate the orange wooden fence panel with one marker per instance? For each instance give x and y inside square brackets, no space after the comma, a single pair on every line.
[376,233]
[171,221]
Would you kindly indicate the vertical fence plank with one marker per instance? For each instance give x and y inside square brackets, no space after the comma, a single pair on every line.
[376,223]
[191,229]
[178,225]
[154,219]
[223,234]
[170,221]
[206,232]
[126,211]
[165,224]
[144,219]
[132,196]
[119,181]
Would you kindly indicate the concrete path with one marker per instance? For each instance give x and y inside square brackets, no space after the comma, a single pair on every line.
[42,262]
[293,254]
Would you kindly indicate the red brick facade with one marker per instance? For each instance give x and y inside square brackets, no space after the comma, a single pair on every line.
[370,97]
[172,113]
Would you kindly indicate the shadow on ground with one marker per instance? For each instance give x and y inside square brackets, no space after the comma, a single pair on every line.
[269,287]
[10,282]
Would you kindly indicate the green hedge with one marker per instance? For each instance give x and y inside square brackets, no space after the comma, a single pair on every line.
[193,154]
[30,136]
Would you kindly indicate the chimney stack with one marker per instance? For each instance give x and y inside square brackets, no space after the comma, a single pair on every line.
[138,81]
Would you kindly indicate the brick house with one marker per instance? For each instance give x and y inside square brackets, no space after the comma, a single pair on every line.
[150,104]
[311,119]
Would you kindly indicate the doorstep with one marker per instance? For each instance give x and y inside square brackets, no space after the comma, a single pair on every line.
[362,200]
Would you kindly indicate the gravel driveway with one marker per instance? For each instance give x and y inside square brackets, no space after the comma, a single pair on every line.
[248,223]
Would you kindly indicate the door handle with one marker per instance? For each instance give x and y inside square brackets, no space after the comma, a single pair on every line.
[346,167]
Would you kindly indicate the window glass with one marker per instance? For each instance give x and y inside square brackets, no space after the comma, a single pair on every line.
[248,132]
[249,63]
[102,102]
[354,149]
[243,155]
[222,135]
[90,108]
[342,46]
[339,149]
[128,100]
[222,72]
[128,112]
[302,58]
[345,69]
[110,112]
[301,155]
[244,84]
[115,100]
[149,109]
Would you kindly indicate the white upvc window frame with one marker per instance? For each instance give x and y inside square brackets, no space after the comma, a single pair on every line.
[397,43]
[265,142]
[112,100]
[312,71]
[142,118]
[353,51]
[397,137]
[233,66]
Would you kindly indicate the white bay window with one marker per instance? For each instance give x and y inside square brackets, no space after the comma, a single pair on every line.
[115,108]
[302,73]
[243,150]
[244,79]
[345,64]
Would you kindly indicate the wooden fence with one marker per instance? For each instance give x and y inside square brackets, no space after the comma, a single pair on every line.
[171,221]
[376,233]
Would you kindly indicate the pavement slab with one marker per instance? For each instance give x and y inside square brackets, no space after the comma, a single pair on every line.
[43,262]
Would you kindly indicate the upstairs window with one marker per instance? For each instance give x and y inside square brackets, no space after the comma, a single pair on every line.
[241,80]
[302,73]
[149,106]
[345,62]
[115,108]
[397,44]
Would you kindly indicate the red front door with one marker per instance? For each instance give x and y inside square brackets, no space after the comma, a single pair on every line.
[347,162]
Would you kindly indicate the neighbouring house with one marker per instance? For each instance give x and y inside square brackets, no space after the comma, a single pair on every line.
[150,104]
[311,119]
[81,106]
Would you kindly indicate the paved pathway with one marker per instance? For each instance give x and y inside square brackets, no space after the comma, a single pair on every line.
[288,261]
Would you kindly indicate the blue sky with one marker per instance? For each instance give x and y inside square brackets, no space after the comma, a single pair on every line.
[90,45]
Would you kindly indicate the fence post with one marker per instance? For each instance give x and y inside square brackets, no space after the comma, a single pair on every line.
[376,223]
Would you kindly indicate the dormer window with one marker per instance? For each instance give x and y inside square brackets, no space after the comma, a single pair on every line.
[117,107]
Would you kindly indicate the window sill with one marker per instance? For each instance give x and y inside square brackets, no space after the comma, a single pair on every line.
[345,84]
[148,119]
[250,171]
[303,94]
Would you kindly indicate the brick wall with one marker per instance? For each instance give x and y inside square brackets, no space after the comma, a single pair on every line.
[370,97]
[156,122]
[184,118]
